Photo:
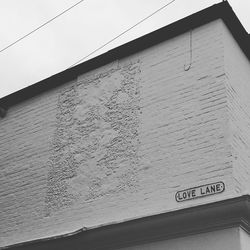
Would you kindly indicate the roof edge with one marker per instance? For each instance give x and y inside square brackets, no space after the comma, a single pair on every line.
[221,10]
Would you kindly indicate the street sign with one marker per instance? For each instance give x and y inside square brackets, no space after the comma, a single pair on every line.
[200,191]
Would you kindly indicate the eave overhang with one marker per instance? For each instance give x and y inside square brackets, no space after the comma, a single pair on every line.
[231,213]
[219,11]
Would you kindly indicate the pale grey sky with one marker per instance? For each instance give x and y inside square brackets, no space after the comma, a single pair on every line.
[81,30]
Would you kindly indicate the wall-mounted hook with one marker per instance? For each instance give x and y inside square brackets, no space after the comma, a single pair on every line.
[188,66]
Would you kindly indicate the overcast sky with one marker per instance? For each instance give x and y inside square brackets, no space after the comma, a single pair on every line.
[78,32]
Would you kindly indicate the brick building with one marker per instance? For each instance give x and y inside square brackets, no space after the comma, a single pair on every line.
[143,147]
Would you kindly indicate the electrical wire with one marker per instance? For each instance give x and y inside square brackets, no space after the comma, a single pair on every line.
[39,27]
[122,33]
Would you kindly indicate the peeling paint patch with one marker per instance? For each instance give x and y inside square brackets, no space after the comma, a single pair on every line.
[62,163]
[95,145]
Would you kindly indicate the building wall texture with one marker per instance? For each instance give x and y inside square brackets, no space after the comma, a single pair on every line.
[117,142]
[237,70]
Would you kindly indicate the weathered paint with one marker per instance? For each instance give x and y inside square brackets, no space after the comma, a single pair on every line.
[118,142]
[95,144]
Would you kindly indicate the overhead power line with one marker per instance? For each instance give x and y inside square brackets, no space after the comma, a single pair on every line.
[122,33]
[39,27]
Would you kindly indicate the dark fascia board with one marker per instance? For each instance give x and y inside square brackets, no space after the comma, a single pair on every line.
[231,213]
[218,11]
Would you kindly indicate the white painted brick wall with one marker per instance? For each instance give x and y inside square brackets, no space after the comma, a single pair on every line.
[24,149]
[237,69]
[119,141]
